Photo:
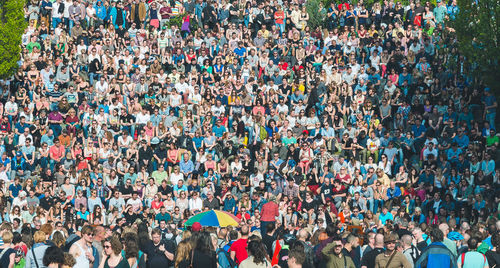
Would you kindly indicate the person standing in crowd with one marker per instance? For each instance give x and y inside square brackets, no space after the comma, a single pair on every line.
[391,257]
[112,252]
[82,249]
[368,260]
[7,252]
[35,255]
[334,255]
[256,255]
[436,253]
[270,211]
[238,249]
[308,128]
[472,258]
[158,251]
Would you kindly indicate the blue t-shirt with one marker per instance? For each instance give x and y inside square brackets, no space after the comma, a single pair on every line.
[240,51]
[219,130]
[383,218]
[15,189]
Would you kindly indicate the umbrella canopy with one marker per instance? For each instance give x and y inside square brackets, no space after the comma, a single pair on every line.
[213,218]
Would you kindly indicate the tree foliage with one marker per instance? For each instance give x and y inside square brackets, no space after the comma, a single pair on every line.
[316,18]
[477,30]
[12,25]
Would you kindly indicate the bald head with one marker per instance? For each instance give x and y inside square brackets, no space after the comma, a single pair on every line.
[379,240]
[223,233]
[406,239]
[244,230]
[444,228]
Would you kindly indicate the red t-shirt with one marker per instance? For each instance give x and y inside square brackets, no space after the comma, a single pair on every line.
[156,205]
[240,248]
[247,216]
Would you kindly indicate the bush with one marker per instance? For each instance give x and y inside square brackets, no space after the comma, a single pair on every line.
[316,18]
[12,25]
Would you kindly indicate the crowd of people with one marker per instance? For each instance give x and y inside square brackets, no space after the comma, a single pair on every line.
[339,134]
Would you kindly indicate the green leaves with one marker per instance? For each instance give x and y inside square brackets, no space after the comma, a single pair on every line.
[12,25]
[316,18]
[477,29]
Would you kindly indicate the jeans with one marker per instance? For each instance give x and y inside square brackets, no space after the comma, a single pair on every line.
[281,27]
[263,226]
[490,117]
[44,162]
[55,22]
[71,24]
[29,166]
[338,202]
[93,76]
[155,165]
[14,173]
[56,128]
[370,203]
[378,203]
[52,163]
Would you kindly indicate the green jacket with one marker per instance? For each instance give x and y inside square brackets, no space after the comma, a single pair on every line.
[336,261]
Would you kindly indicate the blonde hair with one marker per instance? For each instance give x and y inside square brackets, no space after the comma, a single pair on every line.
[7,236]
[39,237]
[183,252]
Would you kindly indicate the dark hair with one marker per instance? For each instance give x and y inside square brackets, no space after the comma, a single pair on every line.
[131,246]
[204,243]
[436,235]
[473,242]
[270,227]
[143,236]
[297,251]
[53,254]
[17,238]
[331,230]
[233,235]
[258,251]
[495,240]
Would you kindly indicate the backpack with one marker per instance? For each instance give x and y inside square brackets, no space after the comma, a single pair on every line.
[414,253]
[228,246]
[172,241]
[263,133]
[69,243]
[224,259]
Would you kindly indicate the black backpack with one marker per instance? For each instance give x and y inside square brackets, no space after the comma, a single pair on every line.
[414,253]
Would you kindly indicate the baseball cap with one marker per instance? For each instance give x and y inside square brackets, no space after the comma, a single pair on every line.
[196,227]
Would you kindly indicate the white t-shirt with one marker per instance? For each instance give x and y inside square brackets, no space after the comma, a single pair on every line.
[136,204]
[175,178]
[142,118]
[126,142]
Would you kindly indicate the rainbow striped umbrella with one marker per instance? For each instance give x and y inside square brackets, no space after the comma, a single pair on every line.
[216,218]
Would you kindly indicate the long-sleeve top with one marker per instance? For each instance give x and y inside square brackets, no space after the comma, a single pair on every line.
[270,211]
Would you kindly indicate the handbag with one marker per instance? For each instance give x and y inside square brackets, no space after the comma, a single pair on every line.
[417,21]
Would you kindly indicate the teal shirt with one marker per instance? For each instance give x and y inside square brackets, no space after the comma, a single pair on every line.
[287,141]
[440,13]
